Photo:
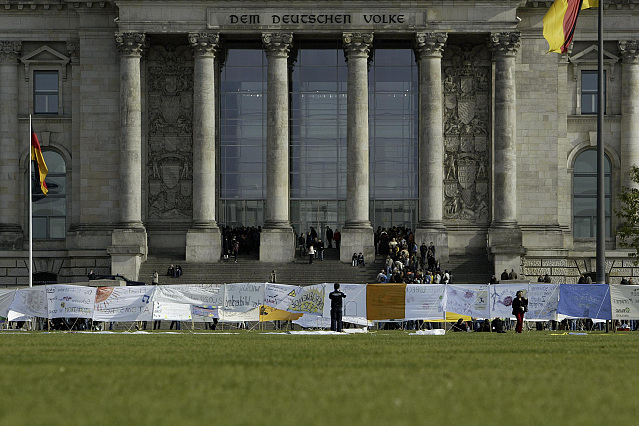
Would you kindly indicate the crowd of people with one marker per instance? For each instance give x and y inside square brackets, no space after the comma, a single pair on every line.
[311,244]
[406,262]
[240,240]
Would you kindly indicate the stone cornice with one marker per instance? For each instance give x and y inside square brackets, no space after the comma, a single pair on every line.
[429,44]
[357,44]
[277,44]
[54,4]
[204,43]
[9,51]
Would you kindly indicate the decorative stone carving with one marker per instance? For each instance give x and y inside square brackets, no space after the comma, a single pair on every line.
[74,51]
[505,43]
[629,50]
[467,93]
[357,44]
[204,43]
[10,50]
[277,44]
[429,44]
[170,129]
[131,43]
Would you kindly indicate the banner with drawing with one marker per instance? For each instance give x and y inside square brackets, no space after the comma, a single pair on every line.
[354,304]
[70,301]
[584,301]
[542,302]
[192,294]
[425,301]
[243,297]
[625,302]
[124,303]
[171,311]
[308,300]
[468,299]
[31,302]
[502,296]
[279,296]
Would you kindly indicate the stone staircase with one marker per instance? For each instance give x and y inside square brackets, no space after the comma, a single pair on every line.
[467,269]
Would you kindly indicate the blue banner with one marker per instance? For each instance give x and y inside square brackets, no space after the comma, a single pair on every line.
[585,301]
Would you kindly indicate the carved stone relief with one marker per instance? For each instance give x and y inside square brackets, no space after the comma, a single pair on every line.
[467,93]
[170,149]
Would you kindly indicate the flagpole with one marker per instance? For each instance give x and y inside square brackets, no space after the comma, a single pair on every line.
[601,186]
[30,210]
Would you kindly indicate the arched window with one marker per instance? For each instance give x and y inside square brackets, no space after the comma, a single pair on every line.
[584,200]
[50,212]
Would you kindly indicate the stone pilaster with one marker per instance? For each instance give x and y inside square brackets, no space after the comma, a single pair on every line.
[277,241]
[429,48]
[129,242]
[629,109]
[357,234]
[10,149]
[505,238]
[203,242]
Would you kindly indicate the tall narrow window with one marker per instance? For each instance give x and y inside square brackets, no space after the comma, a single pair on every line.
[589,94]
[45,92]
[585,195]
[50,212]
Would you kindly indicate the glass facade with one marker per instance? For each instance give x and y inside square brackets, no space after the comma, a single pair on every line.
[585,195]
[50,212]
[242,122]
[318,115]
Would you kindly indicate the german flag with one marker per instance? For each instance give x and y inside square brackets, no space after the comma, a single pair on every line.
[39,164]
[560,22]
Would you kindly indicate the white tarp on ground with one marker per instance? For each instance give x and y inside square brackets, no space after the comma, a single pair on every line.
[468,299]
[425,301]
[124,303]
[70,301]
[313,321]
[624,300]
[243,297]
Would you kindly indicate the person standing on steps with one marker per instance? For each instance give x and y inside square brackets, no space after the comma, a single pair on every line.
[337,298]
[311,254]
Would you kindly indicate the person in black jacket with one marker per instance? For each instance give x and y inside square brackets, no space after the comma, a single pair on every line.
[520,306]
[336,297]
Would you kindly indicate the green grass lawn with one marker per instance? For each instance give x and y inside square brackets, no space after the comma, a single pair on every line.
[379,378]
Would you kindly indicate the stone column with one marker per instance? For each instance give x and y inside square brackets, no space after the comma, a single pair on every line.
[203,242]
[357,234]
[277,241]
[629,109]
[505,239]
[11,197]
[430,228]
[129,242]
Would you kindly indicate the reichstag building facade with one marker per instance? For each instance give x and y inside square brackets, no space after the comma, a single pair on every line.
[162,121]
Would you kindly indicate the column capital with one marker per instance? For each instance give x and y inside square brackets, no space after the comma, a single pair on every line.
[277,44]
[505,43]
[204,43]
[429,44]
[357,44]
[9,51]
[629,50]
[131,44]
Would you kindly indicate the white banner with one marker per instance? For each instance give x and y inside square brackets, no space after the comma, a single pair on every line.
[31,302]
[425,301]
[70,301]
[625,302]
[542,302]
[279,296]
[243,297]
[354,303]
[308,300]
[313,321]
[233,316]
[193,294]
[468,299]
[502,296]
[6,299]
[171,311]
[124,303]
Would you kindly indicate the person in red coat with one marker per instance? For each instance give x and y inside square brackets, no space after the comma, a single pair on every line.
[520,307]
